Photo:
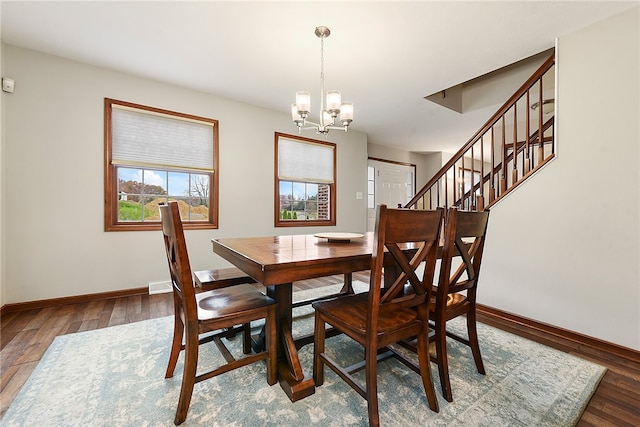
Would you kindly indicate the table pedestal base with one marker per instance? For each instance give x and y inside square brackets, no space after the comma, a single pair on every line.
[296,390]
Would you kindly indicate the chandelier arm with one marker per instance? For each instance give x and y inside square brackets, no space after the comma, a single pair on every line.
[308,123]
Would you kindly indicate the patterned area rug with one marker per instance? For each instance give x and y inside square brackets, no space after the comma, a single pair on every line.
[115,377]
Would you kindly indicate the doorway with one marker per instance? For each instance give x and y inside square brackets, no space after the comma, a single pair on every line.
[389,183]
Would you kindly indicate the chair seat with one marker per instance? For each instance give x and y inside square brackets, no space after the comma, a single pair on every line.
[453,300]
[220,278]
[220,303]
[351,311]
[457,304]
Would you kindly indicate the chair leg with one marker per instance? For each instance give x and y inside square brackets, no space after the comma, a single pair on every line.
[425,371]
[271,344]
[371,375]
[318,348]
[246,338]
[441,357]
[188,377]
[473,340]
[176,346]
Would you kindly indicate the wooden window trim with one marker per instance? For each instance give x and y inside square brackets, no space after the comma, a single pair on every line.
[333,186]
[110,175]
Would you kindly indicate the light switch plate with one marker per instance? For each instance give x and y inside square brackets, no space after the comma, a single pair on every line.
[8,85]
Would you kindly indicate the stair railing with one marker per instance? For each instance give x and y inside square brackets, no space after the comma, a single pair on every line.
[515,142]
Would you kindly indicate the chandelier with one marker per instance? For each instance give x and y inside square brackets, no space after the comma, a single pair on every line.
[328,113]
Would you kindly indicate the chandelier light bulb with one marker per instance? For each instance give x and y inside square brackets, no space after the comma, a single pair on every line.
[333,102]
[346,113]
[303,102]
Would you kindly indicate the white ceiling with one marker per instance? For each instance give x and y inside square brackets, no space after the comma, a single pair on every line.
[385,57]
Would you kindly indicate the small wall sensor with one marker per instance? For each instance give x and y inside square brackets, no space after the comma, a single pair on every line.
[8,85]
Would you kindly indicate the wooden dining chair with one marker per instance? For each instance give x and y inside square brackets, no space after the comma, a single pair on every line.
[211,311]
[455,294]
[380,317]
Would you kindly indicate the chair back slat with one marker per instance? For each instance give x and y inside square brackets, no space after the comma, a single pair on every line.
[406,244]
[464,240]
[178,259]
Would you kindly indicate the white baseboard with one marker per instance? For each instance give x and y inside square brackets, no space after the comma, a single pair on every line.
[159,287]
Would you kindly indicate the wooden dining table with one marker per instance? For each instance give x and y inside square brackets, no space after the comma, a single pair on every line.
[277,262]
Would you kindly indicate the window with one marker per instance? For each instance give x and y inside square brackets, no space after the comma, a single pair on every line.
[153,156]
[371,187]
[305,182]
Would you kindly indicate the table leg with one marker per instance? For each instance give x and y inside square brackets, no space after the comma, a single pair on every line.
[347,288]
[296,384]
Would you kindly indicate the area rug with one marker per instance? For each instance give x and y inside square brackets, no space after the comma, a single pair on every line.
[115,377]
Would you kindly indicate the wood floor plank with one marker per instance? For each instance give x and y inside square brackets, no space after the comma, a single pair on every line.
[18,378]
[103,319]
[119,313]
[92,310]
[6,318]
[6,338]
[18,323]
[160,306]
[595,418]
[43,338]
[40,319]
[609,414]
[88,325]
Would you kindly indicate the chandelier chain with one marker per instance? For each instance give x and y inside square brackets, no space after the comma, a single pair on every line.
[322,80]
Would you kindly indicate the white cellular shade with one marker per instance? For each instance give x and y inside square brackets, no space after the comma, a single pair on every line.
[160,141]
[305,161]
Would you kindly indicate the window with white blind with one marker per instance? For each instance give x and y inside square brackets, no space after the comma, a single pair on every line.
[153,156]
[305,181]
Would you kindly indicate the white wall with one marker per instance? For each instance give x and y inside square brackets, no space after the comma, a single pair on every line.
[564,248]
[2,242]
[53,179]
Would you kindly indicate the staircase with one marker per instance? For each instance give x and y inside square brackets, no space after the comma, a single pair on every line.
[514,143]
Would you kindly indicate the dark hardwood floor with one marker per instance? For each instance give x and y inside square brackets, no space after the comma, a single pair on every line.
[26,335]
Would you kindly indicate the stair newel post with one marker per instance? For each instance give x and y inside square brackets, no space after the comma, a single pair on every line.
[472,191]
[540,131]
[503,167]
[480,199]
[463,192]
[446,190]
[528,137]
[492,176]
[456,184]
[514,173]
